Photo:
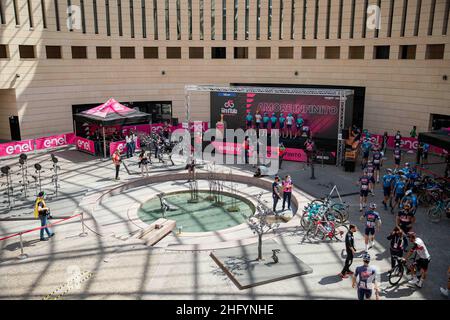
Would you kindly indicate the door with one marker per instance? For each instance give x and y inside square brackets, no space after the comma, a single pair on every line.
[14,128]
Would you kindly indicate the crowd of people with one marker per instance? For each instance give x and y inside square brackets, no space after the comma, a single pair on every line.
[290,126]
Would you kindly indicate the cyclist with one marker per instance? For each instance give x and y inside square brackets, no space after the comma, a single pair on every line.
[363,183]
[299,123]
[266,120]
[399,192]
[258,118]
[411,199]
[377,160]
[290,121]
[397,156]
[399,243]
[373,220]
[366,145]
[426,149]
[405,218]
[282,122]
[422,262]
[273,121]
[388,180]
[367,279]
[249,120]
[370,172]
[398,138]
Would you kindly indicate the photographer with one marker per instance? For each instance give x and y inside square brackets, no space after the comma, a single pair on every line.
[42,212]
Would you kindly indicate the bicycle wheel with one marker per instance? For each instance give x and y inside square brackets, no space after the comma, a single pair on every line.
[435,214]
[340,231]
[396,275]
[306,222]
[342,210]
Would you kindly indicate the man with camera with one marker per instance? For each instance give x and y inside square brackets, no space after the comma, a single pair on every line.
[42,212]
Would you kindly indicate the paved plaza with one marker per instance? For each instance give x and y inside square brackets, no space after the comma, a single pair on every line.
[112,263]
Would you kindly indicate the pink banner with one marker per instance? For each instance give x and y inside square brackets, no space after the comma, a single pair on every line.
[55,141]
[407,143]
[18,147]
[85,145]
[122,146]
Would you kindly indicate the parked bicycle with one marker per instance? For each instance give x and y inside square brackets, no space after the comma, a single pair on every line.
[436,212]
[402,267]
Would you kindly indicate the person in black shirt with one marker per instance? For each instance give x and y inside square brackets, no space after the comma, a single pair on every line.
[399,243]
[350,248]
[276,192]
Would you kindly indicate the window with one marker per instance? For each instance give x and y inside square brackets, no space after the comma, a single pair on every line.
[202,30]
[332,52]
[127,53]
[30,14]
[190,18]
[316,19]
[26,52]
[446,14]
[407,52]
[53,52]
[356,52]
[119,16]
[280,26]
[213,19]
[417,22]
[151,53]
[431,21]
[94,4]
[167,20]
[269,21]
[404,14]
[377,31]
[292,19]
[83,17]
[263,52]
[240,52]
[16,12]
[218,53]
[196,53]
[144,19]
[247,17]
[103,52]
[132,18]
[155,19]
[309,52]
[224,19]
[3,51]
[339,31]
[2,13]
[108,22]
[327,30]
[258,20]
[391,18]
[178,20]
[364,21]
[235,14]
[381,52]
[286,52]
[352,20]
[304,20]
[173,52]
[435,51]
[58,27]
[79,52]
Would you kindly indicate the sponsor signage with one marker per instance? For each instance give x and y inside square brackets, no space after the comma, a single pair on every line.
[85,145]
[54,141]
[18,147]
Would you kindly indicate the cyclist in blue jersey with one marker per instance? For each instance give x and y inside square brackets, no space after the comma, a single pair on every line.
[411,199]
[365,278]
[363,182]
[399,192]
[273,121]
[377,160]
[372,221]
[299,124]
[397,156]
[388,180]
[366,146]
[249,120]
[426,149]
[282,120]
[266,119]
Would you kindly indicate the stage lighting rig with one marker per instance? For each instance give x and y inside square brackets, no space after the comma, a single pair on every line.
[38,168]
[24,168]
[9,190]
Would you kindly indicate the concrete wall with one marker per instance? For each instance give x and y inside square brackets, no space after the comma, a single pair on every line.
[400,93]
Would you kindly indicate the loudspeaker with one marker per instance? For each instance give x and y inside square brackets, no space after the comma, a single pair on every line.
[345,134]
[174,121]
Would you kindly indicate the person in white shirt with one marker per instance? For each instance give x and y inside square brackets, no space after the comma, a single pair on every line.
[129,140]
[418,246]
[290,121]
[258,119]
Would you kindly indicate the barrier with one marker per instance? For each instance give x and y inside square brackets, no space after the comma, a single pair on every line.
[22,254]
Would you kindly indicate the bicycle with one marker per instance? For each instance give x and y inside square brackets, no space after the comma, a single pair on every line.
[435,213]
[397,273]
[327,230]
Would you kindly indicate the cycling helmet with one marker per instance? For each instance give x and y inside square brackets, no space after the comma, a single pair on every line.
[366,257]
[373,206]
[407,164]
[408,192]
[389,170]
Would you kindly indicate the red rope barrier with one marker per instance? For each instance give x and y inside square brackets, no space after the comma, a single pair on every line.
[39,228]
[431,172]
